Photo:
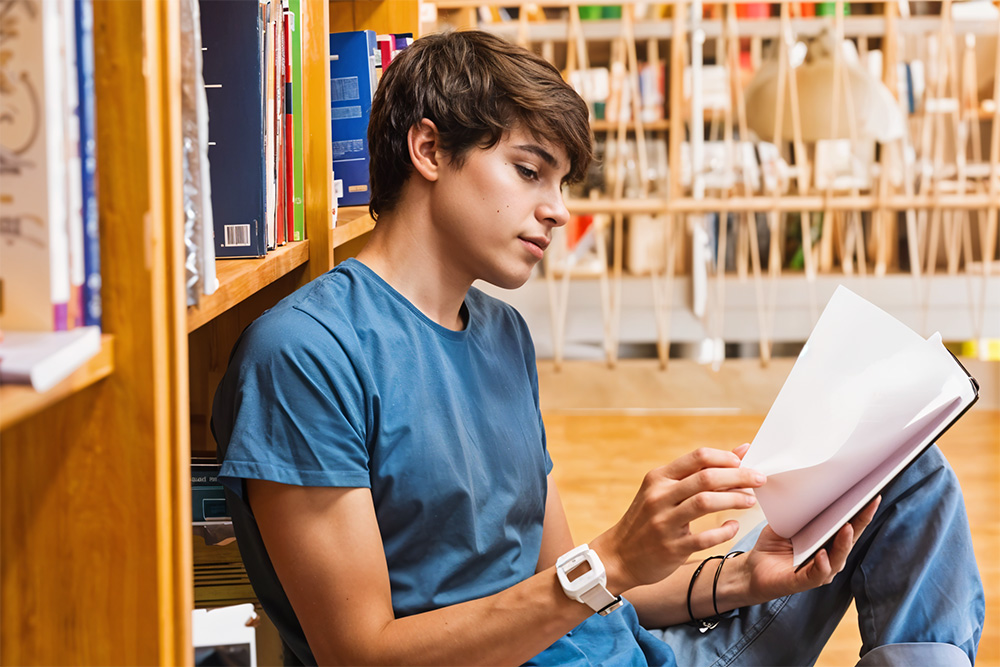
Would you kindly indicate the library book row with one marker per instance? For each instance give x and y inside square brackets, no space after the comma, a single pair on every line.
[241,115]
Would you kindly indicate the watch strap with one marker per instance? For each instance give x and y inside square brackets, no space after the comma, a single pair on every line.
[598,597]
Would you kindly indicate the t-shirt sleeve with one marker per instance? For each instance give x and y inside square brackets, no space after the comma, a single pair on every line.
[291,407]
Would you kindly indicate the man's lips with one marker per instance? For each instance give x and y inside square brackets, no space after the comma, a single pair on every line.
[540,241]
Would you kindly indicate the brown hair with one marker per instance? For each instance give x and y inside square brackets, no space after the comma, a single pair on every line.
[474,87]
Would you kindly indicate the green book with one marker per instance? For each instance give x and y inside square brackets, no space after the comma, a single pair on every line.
[298,167]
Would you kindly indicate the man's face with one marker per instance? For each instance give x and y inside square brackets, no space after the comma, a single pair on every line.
[495,213]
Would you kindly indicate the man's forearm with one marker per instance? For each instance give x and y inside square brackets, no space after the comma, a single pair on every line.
[664,604]
[509,627]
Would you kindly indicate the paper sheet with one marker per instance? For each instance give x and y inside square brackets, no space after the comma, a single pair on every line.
[864,386]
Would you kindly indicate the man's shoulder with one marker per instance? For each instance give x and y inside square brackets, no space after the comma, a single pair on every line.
[495,310]
[322,313]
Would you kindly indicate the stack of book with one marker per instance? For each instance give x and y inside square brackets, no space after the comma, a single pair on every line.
[252,69]
[50,279]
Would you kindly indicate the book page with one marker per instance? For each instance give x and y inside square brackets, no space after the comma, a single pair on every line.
[864,386]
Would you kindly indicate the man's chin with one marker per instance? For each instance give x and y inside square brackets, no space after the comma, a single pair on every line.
[509,282]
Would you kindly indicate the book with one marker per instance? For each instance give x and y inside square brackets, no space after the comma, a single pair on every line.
[84,26]
[46,358]
[864,398]
[289,154]
[270,125]
[34,239]
[208,498]
[74,166]
[352,86]
[298,184]
[232,36]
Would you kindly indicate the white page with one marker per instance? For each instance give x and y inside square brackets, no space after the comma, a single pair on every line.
[863,387]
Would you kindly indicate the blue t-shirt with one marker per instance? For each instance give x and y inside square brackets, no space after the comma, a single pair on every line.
[346,383]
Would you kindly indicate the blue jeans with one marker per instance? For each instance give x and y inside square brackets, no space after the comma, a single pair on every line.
[913,576]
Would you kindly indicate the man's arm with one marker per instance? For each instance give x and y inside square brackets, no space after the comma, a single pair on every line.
[556,536]
[326,548]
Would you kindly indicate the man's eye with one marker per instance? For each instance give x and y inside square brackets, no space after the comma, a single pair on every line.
[529,174]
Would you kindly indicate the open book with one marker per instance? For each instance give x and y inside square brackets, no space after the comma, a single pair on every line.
[865,397]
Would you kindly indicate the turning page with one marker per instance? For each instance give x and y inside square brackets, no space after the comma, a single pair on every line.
[864,398]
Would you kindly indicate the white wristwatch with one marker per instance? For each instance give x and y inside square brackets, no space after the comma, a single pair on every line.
[590,587]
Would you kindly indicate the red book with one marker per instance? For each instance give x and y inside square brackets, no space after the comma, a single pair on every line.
[279,127]
[753,10]
[289,146]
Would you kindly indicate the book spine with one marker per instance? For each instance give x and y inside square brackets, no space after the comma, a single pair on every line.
[74,167]
[232,46]
[279,120]
[34,254]
[269,131]
[289,133]
[298,184]
[84,25]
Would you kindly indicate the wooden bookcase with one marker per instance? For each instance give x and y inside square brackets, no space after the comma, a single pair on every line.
[95,516]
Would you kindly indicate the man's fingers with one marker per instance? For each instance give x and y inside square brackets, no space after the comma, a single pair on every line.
[742,450]
[841,548]
[707,539]
[710,502]
[717,479]
[700,459]
[864,517]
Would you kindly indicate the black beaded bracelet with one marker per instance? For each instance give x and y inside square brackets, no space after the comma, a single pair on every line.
[715,583]
[702,624]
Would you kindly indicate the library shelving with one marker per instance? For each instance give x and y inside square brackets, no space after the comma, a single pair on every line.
[95,499]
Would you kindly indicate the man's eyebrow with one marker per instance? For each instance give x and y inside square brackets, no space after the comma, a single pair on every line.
[540,152]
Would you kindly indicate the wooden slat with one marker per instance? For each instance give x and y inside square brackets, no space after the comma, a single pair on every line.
[93,566]
[317,147]
[382,16]
[240,278]
[352,223]
[19,402]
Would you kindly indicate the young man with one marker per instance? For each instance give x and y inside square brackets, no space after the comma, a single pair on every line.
[386,460]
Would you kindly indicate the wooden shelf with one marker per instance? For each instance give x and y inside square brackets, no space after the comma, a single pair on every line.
[611,126]
[608,29]
[240,278]
[352,222]
[21,401]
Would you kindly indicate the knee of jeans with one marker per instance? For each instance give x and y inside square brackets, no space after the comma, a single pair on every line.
[931,469]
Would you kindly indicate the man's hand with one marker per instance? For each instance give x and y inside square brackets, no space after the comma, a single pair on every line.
[654,537]
[768,566]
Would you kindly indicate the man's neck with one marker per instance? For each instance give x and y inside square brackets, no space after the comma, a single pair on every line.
[401,250]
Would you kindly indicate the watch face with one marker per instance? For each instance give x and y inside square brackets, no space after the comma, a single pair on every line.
[580,573]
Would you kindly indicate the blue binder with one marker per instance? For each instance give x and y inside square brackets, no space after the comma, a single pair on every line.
[232,35]
[353,56]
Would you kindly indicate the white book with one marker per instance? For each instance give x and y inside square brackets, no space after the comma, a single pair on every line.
[865,397]
[34,243]
[74,165]
[44,359]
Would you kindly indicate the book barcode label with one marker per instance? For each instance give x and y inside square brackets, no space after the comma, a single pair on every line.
[342,148]
[237,235]
[342,113]
[344,89]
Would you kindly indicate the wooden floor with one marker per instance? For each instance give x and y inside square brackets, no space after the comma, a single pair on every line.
[606,428]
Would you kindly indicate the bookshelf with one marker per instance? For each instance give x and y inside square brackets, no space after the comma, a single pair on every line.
[353,222]
[19,402]
[95,517]
[241,278]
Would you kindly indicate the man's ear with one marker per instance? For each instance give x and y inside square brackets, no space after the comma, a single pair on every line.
[424,146]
